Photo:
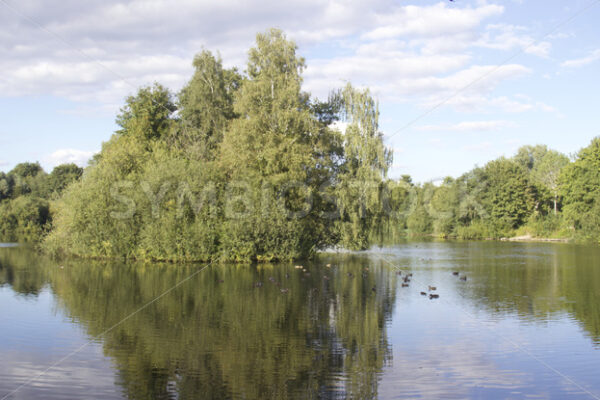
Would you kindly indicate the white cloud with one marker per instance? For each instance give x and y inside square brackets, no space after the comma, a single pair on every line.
[509,37]
[109,42]
[468,90]
[580,62]
[418,54]
[387,73]
[85,51]
[64,156]
[467,126]
[431,21]
[107,81]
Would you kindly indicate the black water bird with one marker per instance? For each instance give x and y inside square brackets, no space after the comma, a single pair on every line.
[434,296]
[463,278]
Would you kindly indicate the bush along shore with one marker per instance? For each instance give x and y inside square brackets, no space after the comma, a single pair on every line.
[246,166]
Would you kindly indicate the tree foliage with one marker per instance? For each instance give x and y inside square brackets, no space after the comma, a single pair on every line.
[147,114]
[205,106]
[236,168]
[25,195]
[580,188]
[363,173]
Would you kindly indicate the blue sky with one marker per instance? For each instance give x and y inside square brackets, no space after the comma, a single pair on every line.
[459,83]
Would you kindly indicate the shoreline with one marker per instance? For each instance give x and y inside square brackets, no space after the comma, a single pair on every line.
[529,238]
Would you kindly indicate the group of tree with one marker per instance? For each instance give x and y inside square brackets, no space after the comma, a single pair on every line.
[539,192]
[237,166]
[25,196]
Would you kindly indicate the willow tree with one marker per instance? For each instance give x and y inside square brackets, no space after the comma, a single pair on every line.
[269,158]
[100,215]
[361,182]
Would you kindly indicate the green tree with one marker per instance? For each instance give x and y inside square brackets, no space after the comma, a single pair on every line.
[419,221]
[271,158]
[28,179]
[580,188]
[544,166]
[206,105]
[62,176]
[443,207]
[24,219]
[26,170]
[7,183]
[97,215]
[508,195]
[366,161]
[547,173]
[529,156]
[147,115]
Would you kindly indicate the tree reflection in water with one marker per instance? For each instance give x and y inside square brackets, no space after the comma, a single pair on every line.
[219,336]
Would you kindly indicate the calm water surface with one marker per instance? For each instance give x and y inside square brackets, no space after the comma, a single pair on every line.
[525,323]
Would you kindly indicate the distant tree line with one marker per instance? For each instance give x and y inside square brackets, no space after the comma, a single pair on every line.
[25,196]
[246,166]
[538,192]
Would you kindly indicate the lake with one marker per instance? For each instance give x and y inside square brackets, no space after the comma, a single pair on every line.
[525,323]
